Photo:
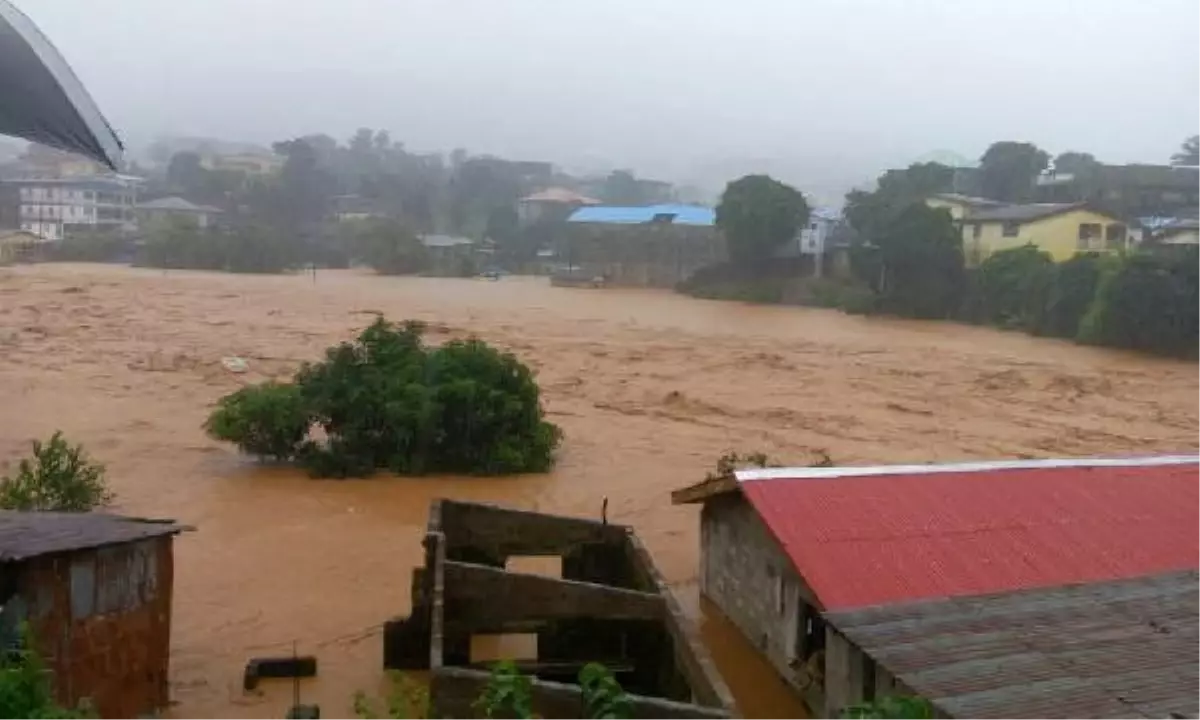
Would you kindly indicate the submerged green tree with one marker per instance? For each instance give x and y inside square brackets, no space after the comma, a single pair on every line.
[385,401]
[59,477]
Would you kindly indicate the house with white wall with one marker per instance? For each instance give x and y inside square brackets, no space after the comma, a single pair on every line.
[52,207]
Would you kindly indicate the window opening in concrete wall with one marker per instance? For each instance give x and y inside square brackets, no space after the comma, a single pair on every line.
[544,565]
[492,647]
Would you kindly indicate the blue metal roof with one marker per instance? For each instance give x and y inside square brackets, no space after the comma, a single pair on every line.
[683,214]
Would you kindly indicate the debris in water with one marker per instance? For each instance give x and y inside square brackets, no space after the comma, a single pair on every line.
[235,364]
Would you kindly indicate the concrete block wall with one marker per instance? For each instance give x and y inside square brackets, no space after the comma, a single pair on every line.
[743,571]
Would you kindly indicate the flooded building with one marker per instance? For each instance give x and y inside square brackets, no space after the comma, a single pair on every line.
[604,602]
[94,591]
[650,246]
[812,564]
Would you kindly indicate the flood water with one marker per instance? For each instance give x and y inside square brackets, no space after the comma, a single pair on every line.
[649,388]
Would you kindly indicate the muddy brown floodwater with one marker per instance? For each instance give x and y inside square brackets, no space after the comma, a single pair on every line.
[649,387]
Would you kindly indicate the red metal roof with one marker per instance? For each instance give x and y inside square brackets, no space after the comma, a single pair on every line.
[876,539]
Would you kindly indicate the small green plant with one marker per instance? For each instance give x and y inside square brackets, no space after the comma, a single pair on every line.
[59,477]
[269,420]
[405,699]
[508,693]
[891,707]
[26,686]
[602,694]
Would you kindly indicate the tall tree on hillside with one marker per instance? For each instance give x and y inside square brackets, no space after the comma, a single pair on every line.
[757,214]
[1189,152]
[184,172]
[1075,163]
[1009,169]
[870,213]
[304,190]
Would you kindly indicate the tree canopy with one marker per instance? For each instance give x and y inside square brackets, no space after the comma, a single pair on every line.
[1075,163]
[871,212]
[915,265]
[1189,152]
[757,214]
[1008,170]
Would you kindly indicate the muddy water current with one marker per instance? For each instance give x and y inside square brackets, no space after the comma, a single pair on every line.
[649,388]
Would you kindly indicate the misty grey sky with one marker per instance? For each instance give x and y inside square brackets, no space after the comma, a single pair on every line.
[822,89]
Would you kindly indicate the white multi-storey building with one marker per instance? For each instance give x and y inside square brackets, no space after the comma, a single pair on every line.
[54,207]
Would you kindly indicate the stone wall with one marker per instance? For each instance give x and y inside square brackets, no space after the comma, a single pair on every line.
[101,620]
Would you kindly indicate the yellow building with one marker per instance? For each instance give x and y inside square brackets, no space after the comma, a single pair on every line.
[248,163]
[961,206]
[1060,229]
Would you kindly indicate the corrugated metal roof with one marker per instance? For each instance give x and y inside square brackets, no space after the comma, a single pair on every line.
[174,202]
[681,214]
[29,534]
[560,195]
[933,532]
[1124,648]
[1024,213]
[444,241]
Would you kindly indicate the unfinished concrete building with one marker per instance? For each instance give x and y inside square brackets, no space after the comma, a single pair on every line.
[608,605]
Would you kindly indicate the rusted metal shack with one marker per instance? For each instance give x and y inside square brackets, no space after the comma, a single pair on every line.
[95,591]
[610,605]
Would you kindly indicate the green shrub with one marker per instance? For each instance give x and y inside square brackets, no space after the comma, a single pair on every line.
[97,246]
[386,401]
[180,243]
[508,693]
[485,407]
[269,420]
[405,699]
[1148,303]
[58,477]
[26,686]
[602,694]
[1069,292]
[891,707]
[858,301]
[390,247]
[1008,288]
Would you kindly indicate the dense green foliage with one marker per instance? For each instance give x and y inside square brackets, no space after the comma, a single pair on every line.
[890,707]
[389,247]
[508,694]
[269,420]
[915,265]
[1066,293]
[870,213]
[26,686]
[181,243]
[757,214]
[59,477]
[386,401]
[1148,303]
[1008,288]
